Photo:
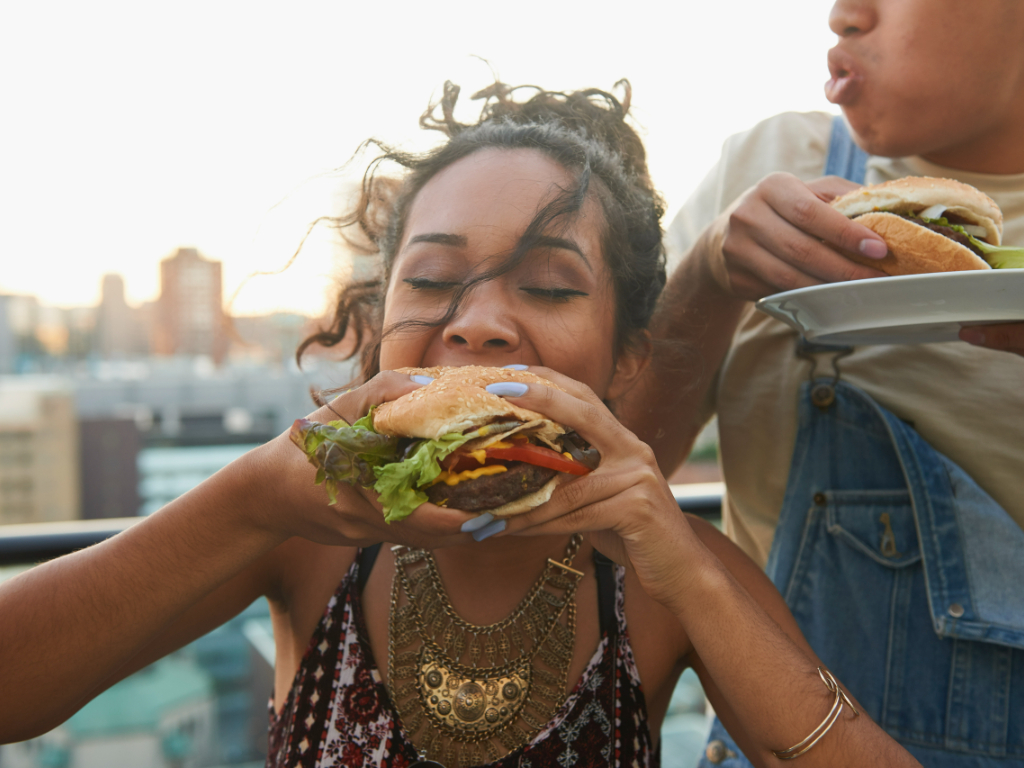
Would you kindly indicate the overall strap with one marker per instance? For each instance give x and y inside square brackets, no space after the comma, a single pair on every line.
[366,558]
[845,158]
[604,570]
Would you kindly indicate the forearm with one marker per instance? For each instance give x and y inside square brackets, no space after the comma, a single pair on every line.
[768,680]
[69,625]
[691,333]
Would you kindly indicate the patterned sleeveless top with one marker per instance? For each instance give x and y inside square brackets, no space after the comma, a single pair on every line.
[338,713]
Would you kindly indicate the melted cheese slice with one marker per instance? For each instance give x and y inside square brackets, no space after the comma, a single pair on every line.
[449,478]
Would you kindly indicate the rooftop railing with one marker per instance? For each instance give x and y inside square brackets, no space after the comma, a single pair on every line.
[34,543]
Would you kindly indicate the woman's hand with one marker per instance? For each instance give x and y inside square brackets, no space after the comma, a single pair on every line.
[1006,337]
[753,661]
[783,234]
[625,505]
[290,501]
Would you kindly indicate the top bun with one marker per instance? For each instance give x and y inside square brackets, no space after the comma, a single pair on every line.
[915,193]
[454,402]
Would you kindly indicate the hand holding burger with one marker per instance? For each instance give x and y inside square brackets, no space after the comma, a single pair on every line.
[451,443]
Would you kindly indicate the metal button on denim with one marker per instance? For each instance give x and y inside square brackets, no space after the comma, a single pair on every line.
[823,395]
[956,610]
[819,499]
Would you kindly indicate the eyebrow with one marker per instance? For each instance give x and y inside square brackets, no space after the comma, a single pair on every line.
[542,241]
[547,241]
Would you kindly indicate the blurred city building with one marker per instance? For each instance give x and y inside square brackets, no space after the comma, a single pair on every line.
[153,429]
[270,339]
[190,313]
[164,716]
[121,330]
[109,450]
[39,451]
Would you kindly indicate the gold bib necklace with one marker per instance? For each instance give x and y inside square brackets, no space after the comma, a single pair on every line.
[471,694]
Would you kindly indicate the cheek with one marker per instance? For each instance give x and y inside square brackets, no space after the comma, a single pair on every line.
[584,350]
[400,349]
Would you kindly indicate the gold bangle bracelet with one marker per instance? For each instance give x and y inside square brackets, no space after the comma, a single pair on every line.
[830,719]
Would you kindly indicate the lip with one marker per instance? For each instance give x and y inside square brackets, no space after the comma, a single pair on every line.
[846,81]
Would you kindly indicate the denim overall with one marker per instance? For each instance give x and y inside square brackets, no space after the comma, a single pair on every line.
[906,578]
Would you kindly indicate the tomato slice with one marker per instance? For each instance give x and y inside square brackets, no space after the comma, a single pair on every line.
[522,451]
[538,455]
[460,462]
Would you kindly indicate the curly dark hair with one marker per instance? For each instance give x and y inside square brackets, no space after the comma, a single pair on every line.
[584,131]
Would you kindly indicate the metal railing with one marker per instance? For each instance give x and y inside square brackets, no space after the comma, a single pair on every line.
[34,543]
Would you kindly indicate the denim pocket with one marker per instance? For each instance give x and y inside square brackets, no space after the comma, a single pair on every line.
[878,524]
[857,591]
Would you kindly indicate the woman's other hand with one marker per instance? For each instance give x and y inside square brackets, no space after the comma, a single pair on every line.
[290,501]
[1005,337]
[625,505]
[782,234]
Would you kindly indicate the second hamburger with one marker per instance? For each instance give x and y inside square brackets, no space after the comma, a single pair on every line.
[931,225]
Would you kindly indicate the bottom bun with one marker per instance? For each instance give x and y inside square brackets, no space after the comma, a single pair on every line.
[527,502]
[914,250]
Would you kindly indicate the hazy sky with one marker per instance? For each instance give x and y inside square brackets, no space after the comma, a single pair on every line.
[129,129]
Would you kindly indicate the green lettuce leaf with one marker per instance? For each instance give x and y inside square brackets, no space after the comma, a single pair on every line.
[998,256]
[357,453]
[397,482]
[1001,256]
[344,453]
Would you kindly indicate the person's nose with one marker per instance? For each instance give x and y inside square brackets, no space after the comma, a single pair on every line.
[852,17]
[484,322]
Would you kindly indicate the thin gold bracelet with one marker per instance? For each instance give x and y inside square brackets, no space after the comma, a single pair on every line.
[830,719]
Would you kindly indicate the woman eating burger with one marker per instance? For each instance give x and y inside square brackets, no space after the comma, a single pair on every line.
[529,244]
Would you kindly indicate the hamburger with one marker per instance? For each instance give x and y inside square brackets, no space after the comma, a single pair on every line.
[451,443]
[931,225]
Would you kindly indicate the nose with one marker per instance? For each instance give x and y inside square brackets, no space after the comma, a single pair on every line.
[852,17]
[484,322]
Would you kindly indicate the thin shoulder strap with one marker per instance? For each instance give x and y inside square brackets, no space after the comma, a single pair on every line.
[367,557]
[604,570]
[845,158]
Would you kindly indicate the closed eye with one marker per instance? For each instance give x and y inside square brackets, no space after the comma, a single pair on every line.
[555,294]
[426,284]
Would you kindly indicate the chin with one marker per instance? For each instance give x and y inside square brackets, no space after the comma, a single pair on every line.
[909,129]
[884,137]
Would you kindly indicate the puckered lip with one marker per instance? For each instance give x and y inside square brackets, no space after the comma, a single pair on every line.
[846,78]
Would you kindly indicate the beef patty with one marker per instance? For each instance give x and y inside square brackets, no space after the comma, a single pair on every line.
[491,491]
[949,232]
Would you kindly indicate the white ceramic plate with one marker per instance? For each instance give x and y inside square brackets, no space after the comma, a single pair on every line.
[911,309]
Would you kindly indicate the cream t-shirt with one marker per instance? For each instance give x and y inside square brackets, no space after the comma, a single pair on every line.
[967,402]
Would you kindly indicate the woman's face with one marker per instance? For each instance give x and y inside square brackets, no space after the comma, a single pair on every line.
[556,309]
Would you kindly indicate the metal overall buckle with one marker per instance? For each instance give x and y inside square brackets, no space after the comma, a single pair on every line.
[823,394]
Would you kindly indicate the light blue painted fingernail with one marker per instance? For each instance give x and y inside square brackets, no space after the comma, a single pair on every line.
[507,389]
[489,530]
[516,367]
[421,379]
[477,522]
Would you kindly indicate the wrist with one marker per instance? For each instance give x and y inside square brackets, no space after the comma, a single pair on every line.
[700,586]
[263,487]
[707,266]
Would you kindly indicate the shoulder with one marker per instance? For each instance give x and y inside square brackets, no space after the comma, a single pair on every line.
[793,142]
